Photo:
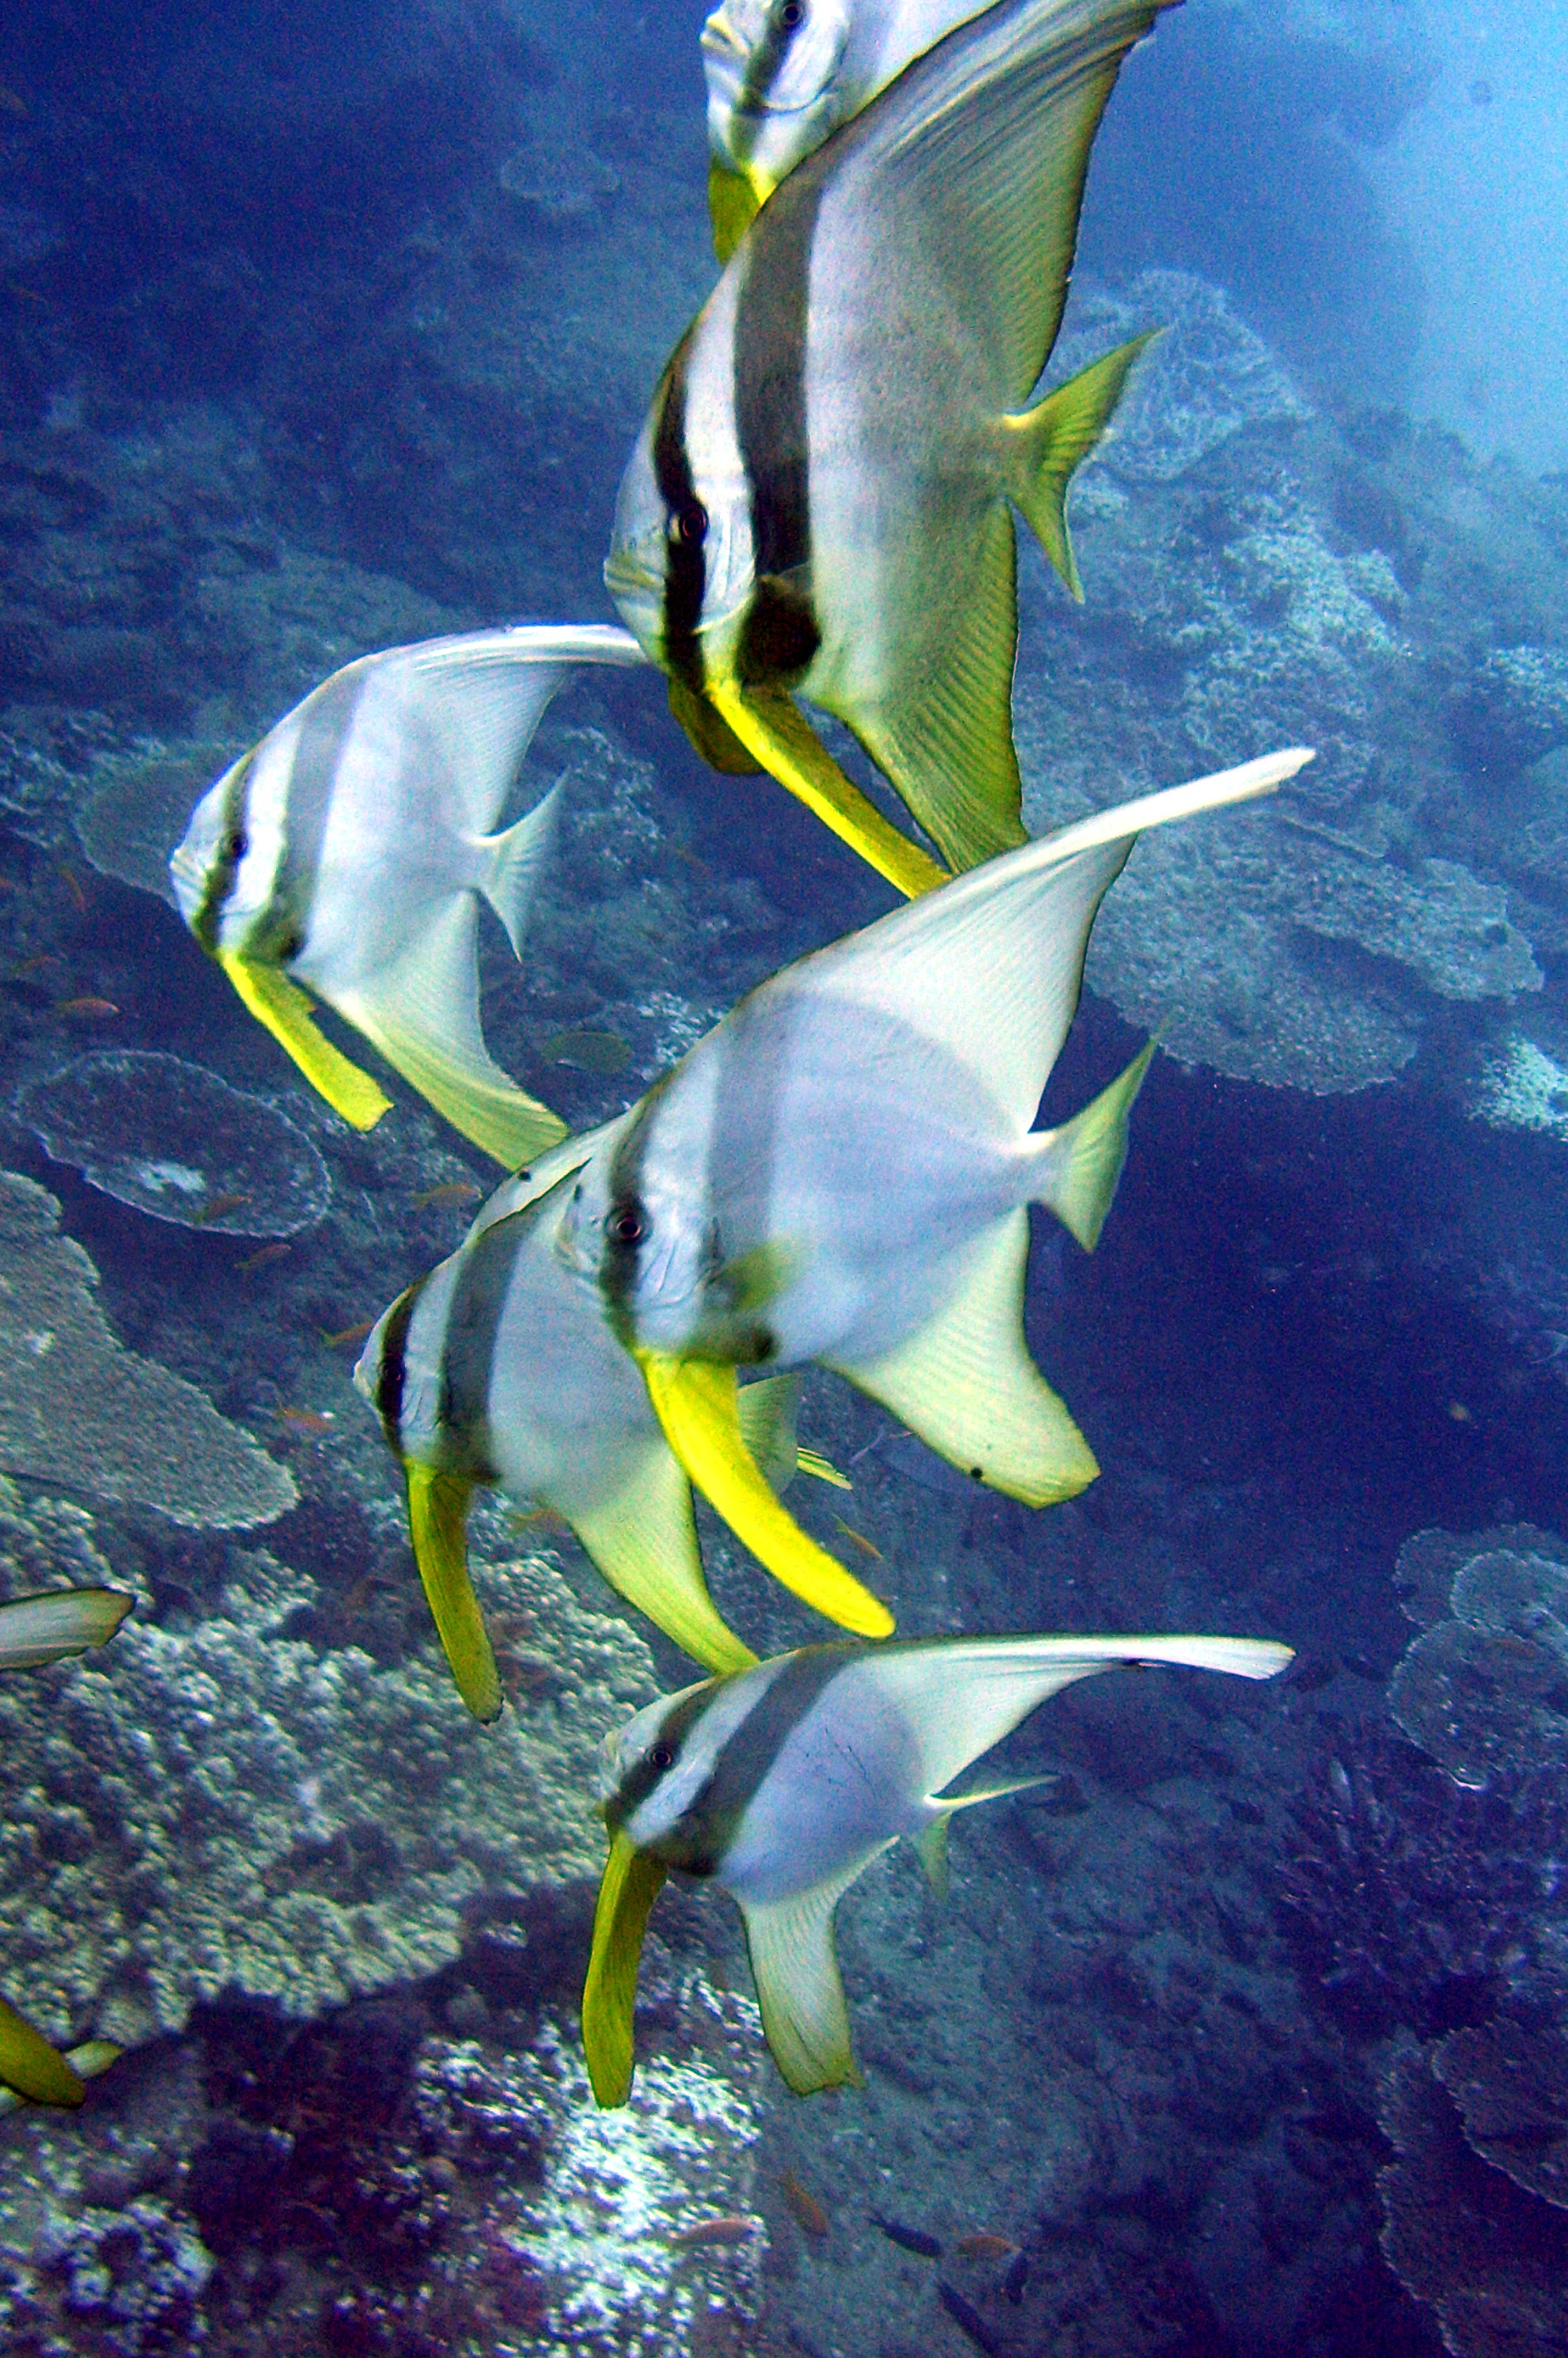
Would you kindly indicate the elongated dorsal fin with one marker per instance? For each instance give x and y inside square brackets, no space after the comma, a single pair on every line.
[966,1385]
[990,968]
[631,1883]
[59,1622]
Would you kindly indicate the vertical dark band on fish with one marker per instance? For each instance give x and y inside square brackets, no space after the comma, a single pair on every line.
[474,1309]
[390,1374]
[780,635]
[686,564]
[703,1833]
[233,842]
[326,719]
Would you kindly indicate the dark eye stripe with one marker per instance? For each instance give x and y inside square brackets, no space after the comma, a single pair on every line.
[770,54]
[686,564]
[232,847]
[393,1371]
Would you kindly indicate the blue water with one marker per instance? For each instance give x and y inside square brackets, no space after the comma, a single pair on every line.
[324,330]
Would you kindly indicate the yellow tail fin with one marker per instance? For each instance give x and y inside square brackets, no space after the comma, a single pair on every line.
[1050,441]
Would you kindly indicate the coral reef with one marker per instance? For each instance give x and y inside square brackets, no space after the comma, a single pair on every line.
[174,1139]
[78,1409]
[232,1810]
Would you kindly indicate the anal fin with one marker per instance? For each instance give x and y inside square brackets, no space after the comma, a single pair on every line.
[941,727]
[799,1990]
[423,1015]
[966,1384]
[643,1539]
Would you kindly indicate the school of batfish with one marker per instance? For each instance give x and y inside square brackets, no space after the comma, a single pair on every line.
[821,505]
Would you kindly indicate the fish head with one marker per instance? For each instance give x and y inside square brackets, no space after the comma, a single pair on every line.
[225,868]
[772,68]
[656,1773]
[399,1375]
[681,564]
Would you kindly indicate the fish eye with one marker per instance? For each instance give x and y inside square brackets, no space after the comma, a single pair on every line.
[661,1758]
[792,14]
[628,1228]
[236,844]
[690,523]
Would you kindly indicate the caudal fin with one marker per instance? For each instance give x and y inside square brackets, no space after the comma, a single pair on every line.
[1082,1161]
[516,860]
[1047,443]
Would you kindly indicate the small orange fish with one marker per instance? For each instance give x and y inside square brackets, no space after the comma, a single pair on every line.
[859,1539]
[450,1191]
[10,103]
[261,1259]
[10,883]
[538,1519]
[40,960]
[86,1010]
[804,2207]
[732,2229]
[73,885]
[216,1208]
[309,1424]
[347,1334]
[984,2246]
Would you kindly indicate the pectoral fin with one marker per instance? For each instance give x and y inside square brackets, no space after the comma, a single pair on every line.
[286,1012]
[798,1988]
[968,1387]
[437,1516]
[696,1404]
[423,1014]
[30,2065]
[61,1621]
[632,1881]
[789,749]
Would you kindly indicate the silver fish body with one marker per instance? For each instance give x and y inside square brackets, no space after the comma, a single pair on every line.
[347,852]
[820,499]
[781,1784]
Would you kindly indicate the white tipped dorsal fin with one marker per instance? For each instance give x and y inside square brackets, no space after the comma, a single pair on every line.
[798,1989]
[968,1387]
[516,858]
[422,1013]
[991,966]
[960,1695]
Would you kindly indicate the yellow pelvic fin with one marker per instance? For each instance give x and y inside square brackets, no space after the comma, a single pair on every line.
[92,2057]
[1055,437]
[632,1881]
[698,1405]
[712,737]
[789,749]
[30,2065]
[437,1515]
[822,1469]
[285,1010]
[732,205]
